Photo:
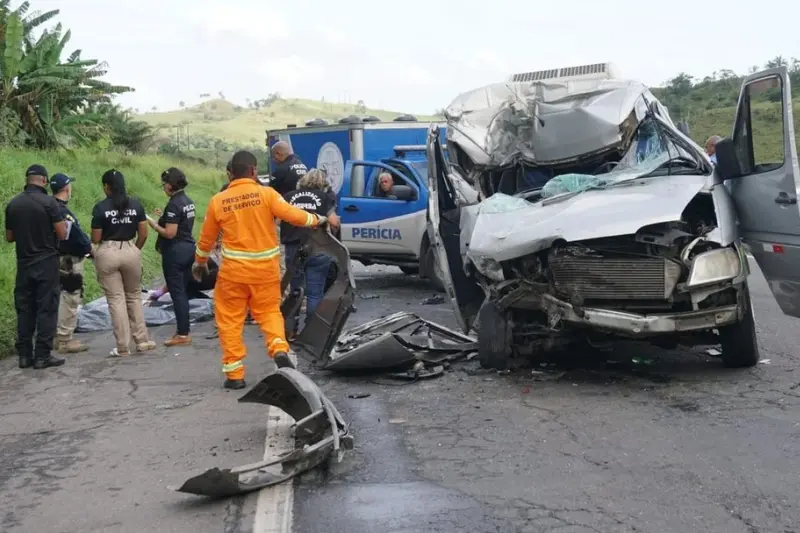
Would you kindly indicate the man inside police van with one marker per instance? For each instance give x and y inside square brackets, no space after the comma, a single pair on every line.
[385,184]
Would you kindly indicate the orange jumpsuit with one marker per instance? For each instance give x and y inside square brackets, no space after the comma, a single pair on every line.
[249,273]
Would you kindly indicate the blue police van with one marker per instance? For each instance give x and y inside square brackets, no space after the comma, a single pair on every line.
[354,152]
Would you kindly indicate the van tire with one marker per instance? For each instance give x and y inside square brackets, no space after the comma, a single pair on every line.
[739,341]
[494,337]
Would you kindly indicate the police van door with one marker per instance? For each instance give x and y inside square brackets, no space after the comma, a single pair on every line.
[376,224]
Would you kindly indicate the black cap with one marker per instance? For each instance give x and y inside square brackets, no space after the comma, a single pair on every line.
[229,167]
[36,170]
[59,181]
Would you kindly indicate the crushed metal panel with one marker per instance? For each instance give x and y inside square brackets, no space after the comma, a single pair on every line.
[319,431]
[500,230]
[319,335]
[383,352]
[540,122]
[397,340]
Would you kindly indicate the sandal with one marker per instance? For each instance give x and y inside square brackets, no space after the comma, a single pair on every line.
[146,346]
[116,353]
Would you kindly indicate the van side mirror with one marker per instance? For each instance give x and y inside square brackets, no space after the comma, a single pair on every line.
[728,164]
[404,192]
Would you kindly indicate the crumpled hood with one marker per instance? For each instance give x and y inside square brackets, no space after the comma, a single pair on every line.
[504,227]
[545,122]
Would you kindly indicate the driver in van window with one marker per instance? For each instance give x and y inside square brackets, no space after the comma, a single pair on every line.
[385,183]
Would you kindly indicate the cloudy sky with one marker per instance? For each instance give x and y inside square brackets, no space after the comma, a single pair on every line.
[414,55]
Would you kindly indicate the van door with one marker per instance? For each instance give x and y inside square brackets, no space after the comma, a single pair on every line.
[376,225]
[766,188]
[444,232]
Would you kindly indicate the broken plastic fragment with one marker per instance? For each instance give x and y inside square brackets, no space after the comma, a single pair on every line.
[319,432]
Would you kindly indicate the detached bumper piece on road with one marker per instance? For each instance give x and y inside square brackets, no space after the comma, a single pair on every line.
[319,432]
[318,336]
[401,342]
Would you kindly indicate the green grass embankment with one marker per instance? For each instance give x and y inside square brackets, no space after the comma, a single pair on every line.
[142,177]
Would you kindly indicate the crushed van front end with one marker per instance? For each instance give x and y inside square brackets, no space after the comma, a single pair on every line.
[665,283]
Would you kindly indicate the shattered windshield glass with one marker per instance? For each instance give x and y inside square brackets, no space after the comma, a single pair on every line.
[652,153]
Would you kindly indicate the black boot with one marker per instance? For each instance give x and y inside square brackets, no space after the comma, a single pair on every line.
[282,360]
[47,362]
[235,384]
[25,362]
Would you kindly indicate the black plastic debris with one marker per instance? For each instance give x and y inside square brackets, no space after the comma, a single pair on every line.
[398,342]
[319,433]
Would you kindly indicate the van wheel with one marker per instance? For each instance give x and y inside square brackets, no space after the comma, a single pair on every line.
[494,337]
[739,341]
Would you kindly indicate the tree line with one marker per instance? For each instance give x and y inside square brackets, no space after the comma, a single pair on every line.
[685,95]
[51,99]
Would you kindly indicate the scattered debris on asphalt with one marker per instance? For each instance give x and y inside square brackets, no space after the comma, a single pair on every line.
[402,343]
[419,372]
[367,296]
[434,300]
[359,395]
[319,432]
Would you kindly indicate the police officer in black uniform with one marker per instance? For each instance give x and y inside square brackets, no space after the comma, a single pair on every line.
[73,251]
[177,247]
[287,170]
[35,223]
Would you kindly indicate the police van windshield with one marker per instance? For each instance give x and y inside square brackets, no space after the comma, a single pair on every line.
[421,168]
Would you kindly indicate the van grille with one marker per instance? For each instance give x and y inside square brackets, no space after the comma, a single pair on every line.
[607,278]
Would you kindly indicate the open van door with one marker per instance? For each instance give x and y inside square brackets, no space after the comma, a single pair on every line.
[760,160]
[444,232]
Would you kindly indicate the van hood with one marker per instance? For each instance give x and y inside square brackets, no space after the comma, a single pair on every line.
[505,227]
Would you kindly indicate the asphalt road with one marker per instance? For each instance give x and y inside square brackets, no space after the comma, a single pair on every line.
[655,441]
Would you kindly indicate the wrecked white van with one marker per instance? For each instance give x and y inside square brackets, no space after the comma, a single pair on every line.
[596,218]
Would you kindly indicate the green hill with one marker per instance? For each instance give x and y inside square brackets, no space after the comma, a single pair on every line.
[244,126]
[708,105]
[142,176]
[767,134]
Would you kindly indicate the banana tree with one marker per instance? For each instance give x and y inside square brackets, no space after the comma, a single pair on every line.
[49,96]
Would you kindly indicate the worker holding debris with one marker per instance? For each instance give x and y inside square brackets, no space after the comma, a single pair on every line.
[311,196]
[249,274]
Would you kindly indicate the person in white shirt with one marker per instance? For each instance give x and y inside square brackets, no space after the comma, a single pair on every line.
[711,147]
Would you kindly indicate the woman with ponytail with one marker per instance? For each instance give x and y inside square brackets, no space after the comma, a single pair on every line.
[118,261]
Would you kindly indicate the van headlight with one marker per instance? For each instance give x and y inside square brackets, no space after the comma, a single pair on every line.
[714,266]
[490,268]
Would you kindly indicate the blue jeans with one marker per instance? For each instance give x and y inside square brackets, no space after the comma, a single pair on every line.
[314,274]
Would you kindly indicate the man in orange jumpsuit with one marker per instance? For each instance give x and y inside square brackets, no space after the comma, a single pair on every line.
[249,274]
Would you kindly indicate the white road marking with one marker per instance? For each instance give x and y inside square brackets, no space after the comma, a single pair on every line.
[274,505]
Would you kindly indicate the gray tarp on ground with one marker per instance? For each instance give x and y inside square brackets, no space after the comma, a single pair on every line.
[94,315]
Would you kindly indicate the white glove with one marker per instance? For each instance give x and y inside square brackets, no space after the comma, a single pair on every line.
[323,220]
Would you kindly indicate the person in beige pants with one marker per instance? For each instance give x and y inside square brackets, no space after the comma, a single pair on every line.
[118,261]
